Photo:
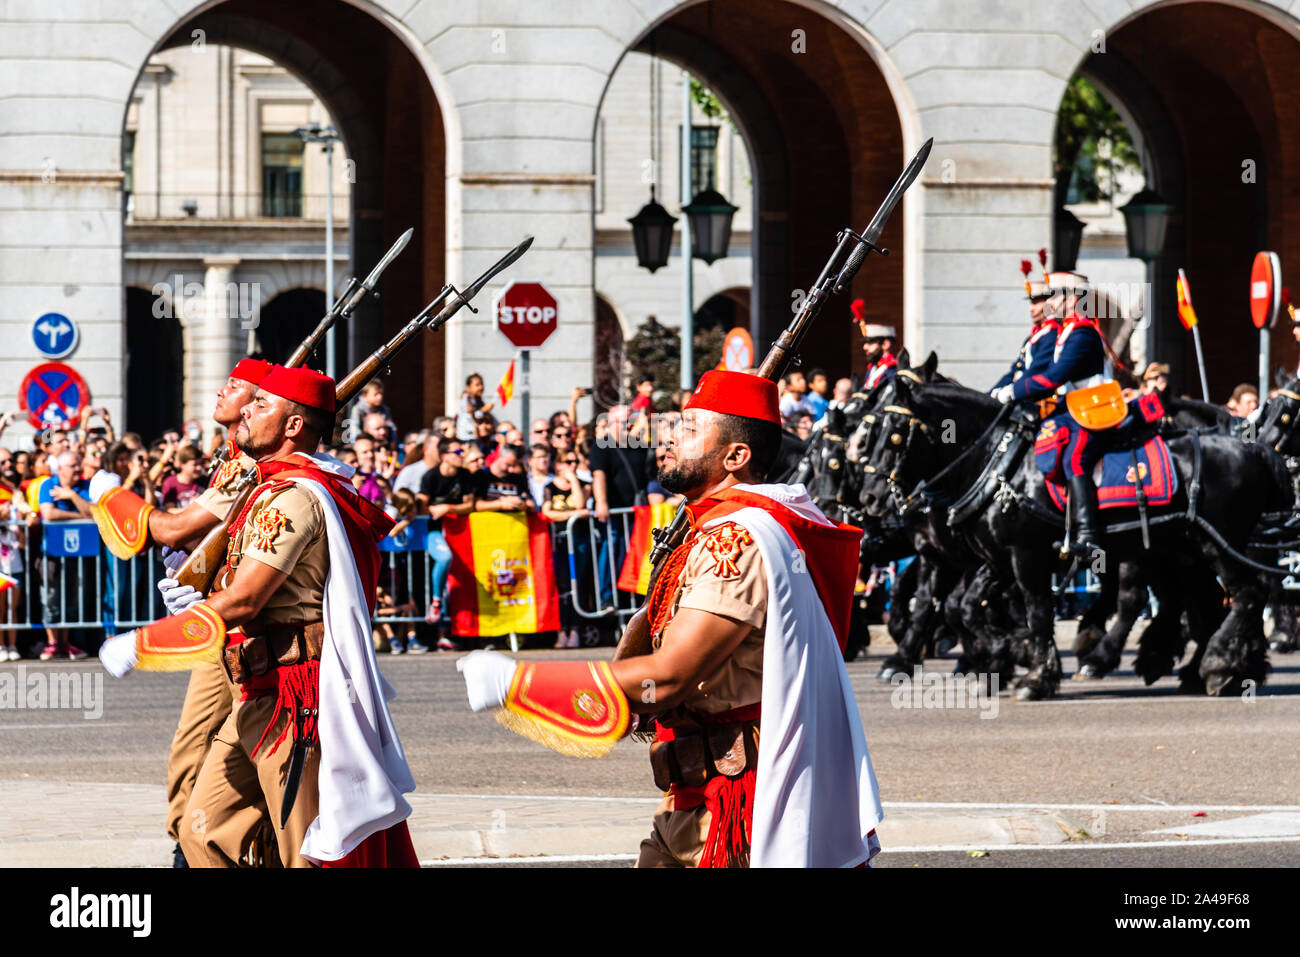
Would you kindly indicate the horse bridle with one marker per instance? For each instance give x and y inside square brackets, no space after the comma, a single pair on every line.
[1287,418]
[902,501]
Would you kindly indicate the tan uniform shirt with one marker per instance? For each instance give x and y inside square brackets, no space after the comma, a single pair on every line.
[724,575]
[286,530]
[219,496]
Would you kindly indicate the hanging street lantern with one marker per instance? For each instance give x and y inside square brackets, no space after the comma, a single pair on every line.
[1146,219]
[652,234]
[710,217]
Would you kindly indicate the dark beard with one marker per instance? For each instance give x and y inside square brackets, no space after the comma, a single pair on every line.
[246,443]
[684,476]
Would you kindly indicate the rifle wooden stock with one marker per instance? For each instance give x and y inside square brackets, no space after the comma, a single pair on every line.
[200,569]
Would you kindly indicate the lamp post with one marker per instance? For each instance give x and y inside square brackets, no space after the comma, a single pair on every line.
[1146,222]
[652,234]
[327,137]
[688,290]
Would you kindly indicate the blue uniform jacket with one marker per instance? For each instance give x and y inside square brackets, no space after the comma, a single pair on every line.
[1035,353]
[1079,354]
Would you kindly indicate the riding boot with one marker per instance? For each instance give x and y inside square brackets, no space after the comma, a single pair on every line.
[1085,516]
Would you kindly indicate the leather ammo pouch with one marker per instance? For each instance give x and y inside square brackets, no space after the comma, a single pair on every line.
[698,753]
[276,645]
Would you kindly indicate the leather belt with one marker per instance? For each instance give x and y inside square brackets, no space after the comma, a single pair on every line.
[276,646]
[690,755]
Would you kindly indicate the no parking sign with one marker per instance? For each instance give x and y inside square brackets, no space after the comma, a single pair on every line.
[52,395]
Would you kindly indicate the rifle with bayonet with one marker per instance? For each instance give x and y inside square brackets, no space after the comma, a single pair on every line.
[851,251]
[343,308]
[200,569]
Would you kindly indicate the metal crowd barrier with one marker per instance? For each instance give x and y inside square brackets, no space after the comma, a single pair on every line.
[592,594]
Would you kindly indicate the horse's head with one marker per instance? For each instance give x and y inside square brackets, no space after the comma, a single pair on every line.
[1278,420]
[916,434]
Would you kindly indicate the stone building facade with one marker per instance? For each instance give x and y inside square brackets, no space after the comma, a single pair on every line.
[476,121]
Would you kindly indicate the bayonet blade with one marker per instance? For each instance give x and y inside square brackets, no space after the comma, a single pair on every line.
[389,256]
[909,175]
[506,260]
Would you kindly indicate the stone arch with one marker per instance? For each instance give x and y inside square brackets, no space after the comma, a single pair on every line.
[382,88]
[848,100]
[1207,102]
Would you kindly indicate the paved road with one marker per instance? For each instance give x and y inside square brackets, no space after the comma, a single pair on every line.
[1106,764]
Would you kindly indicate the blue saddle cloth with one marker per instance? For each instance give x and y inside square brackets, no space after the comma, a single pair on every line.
[1117,487]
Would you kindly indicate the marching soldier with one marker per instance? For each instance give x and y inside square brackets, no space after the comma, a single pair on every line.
[747,621]
[121,516]
[1037,351]
[315,750]
[877,346]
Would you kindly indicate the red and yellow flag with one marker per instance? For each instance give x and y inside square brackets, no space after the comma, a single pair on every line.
[1186,314]
[635,573]
[502,576]
[506,388]
[6,583]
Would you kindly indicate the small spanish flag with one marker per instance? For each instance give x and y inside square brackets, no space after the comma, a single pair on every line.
[1186,314]
[6,583]
[506,388]
[6,492]
[634,576]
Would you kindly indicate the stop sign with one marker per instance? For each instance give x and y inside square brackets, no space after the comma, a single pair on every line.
[526,314]
[1265,289]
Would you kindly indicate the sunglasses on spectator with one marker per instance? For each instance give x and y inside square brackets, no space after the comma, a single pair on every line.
[570,461]
[560,433]
[456,451]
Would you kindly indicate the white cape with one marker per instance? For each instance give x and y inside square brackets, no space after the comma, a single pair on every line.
[363,769]
[816,800]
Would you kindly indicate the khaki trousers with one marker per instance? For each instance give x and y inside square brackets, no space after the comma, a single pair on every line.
[208,700]
[676,838]
[234,792]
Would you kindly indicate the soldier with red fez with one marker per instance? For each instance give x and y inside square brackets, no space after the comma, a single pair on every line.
[309,739]
[129,524]
[747,622]
[877,345]
[1036,352]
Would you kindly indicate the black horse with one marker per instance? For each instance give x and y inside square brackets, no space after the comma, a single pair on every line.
[939,438]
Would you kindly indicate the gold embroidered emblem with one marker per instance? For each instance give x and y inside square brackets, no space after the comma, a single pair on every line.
[1141,470]
[196,631]
[725,544]
[229,469]
[587,704]
[266,527]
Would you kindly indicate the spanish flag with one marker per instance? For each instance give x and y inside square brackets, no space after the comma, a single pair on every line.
[6,583]
[506,388]
[635,573]
[1186,314]
[502,579]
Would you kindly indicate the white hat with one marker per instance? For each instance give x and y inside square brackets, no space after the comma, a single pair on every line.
[870,331]
[1068,282]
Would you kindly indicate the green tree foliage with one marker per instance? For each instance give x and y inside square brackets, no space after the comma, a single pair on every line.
[1090,137]
[655,349]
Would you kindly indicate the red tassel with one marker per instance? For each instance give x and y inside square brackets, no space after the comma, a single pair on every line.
[730,802]
[297,687]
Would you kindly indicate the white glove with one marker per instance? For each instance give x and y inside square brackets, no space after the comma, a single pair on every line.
[487,678]
[178,597]
[173,558]
[1005,394]
[117,654]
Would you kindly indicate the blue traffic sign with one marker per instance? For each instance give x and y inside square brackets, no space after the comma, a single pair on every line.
[53,394]
[55,335]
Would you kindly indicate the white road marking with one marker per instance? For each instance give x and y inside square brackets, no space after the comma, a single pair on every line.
[76,724]
[1274,824]
[1080,845]
[539,859]
[933,805]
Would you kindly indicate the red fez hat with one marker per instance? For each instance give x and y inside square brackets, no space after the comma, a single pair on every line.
[859,307]
[251,370]
[737,393]
[304,386]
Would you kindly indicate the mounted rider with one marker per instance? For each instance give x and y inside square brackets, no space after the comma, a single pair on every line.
[1037,351]
[878,346]
[1093,415]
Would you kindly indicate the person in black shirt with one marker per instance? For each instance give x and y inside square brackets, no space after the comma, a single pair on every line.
[502,487]
[618,472]
[446,489]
